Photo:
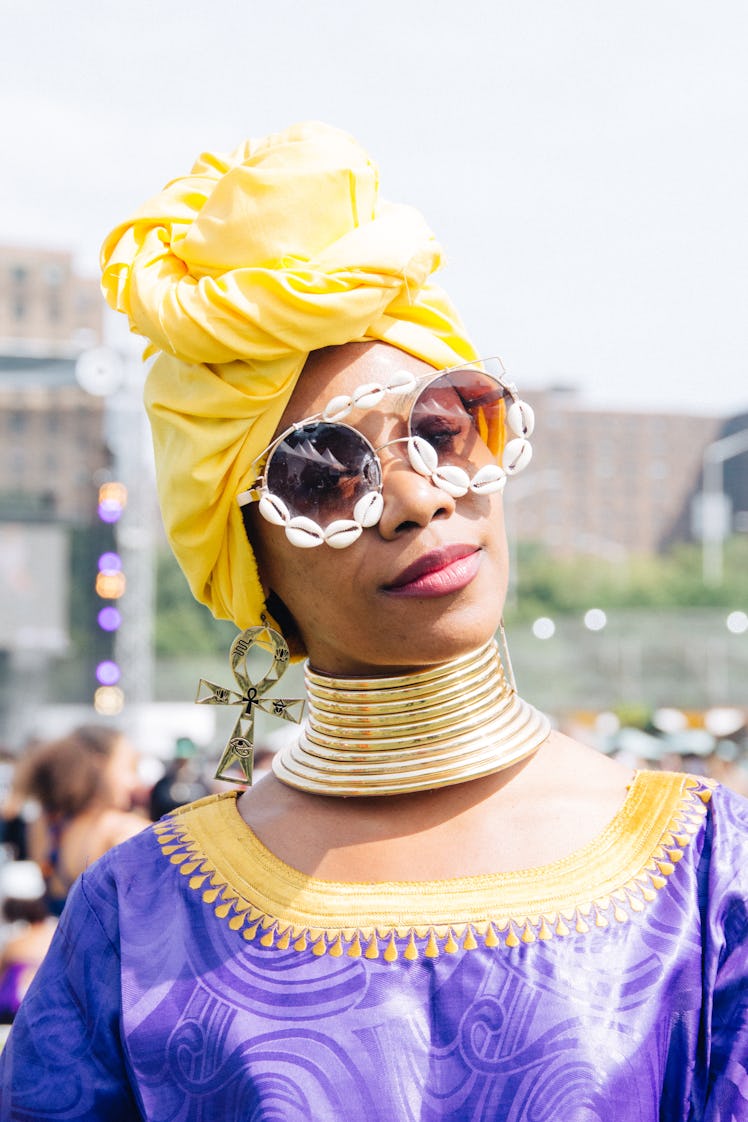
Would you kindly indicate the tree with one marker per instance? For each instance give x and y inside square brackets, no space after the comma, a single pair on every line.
[549,585]
[182,624]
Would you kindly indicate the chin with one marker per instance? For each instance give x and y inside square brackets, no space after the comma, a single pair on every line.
[431,645]
[443,648]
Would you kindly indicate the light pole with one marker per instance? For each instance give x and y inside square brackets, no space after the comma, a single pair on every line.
[118,377]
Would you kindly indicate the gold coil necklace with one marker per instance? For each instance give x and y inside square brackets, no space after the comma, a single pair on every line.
[412,732]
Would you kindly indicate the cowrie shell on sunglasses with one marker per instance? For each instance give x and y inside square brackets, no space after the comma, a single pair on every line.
[517,455]
[451,478]
[368,395]
[320,460]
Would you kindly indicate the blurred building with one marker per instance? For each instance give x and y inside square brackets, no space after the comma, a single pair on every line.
[46,309]
[76,584]
[53,449]
[52,440]
[613,483]
[731,440]
[736,474]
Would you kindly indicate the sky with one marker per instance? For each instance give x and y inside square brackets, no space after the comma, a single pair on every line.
[584,164]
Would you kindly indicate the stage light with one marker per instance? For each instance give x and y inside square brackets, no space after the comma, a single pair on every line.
[108,673]
[109,618]
[112,501]
[109,701]
[110,562]
[110,586]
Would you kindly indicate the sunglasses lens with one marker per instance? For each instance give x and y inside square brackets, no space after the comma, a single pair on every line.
[462,415]
[321,471]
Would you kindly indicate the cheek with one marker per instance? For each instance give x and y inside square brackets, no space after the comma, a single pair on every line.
[315,581]
[264,545]
[305,579]
[496,539]
[498,526]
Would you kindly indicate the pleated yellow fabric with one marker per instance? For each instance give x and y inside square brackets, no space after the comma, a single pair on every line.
[234,273]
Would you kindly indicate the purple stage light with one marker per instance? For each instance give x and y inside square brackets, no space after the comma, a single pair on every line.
[109,619]
[108,673]
[110,511]
[110,562]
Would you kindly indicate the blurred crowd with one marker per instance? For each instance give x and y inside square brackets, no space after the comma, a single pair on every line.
[712,744]
[65,802]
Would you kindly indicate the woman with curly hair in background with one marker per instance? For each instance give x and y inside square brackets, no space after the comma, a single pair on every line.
[83,783]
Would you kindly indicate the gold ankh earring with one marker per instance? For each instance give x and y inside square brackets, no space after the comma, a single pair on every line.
[240,746]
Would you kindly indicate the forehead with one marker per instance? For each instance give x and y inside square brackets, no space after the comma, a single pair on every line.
[338,370]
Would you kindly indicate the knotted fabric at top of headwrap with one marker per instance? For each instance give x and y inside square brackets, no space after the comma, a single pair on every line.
[234,273]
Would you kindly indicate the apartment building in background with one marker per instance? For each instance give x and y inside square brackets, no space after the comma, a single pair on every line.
[609,482]
[52,439]
[46,308]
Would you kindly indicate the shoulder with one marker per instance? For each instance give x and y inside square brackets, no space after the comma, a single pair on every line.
[211,806]
[727,850]
[731,808]
[728,829]
[135,867]
[106,882]
[724,813]
[213,816]
[693,819]
[723,810]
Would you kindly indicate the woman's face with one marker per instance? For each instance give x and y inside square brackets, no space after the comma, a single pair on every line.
[424,585]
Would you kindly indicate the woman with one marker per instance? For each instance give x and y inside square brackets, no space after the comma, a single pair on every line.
[434,907]
[83,783]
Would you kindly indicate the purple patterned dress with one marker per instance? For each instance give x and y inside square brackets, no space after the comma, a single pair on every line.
[195,977]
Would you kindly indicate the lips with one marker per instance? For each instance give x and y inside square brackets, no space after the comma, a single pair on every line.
[438,573]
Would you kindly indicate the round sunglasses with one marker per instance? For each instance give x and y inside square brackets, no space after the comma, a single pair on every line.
[321,479]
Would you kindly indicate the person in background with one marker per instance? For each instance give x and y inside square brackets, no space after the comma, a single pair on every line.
[181,782]
[13,808]
[84,784]
[29,932]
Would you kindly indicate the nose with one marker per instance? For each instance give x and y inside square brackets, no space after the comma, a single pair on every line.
[411,500]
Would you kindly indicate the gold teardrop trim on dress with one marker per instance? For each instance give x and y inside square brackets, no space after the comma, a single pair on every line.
[604,883]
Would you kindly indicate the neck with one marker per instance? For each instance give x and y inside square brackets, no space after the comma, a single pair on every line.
[413,732]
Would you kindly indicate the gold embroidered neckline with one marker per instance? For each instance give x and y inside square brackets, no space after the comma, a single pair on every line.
[615,875]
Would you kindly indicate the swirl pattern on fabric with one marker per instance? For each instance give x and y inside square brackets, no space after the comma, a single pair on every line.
[234,273]
[168,1016]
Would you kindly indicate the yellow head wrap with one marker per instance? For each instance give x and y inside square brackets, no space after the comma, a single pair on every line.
[234,273]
